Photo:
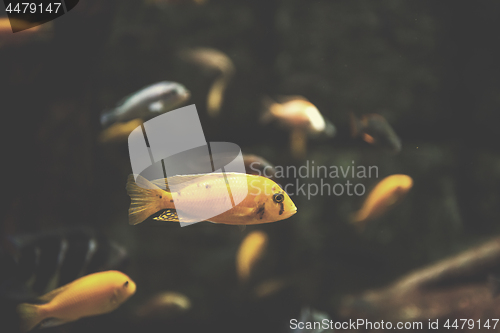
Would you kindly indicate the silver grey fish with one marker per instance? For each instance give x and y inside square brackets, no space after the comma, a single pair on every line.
[42,262]
[147,103]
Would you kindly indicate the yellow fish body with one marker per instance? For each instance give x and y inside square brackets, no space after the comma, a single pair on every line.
[250,252]
[265,201]
[387,193]
[90,295]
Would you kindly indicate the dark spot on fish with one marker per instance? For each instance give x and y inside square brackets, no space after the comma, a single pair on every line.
[261,210]
[125,284]
[208,186]
[282,208]
[274,188]
[160,196]
[171,200]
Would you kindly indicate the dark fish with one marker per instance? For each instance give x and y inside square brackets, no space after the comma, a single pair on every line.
[256,165]
[311,321]
[49,260]
[147,103]
[374,129]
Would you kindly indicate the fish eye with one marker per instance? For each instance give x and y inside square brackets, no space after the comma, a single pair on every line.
[278,197]
[125,284]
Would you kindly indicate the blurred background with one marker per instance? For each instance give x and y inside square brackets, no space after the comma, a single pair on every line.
[430,68]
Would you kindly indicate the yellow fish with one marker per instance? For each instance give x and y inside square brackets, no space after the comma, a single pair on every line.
[90,295]
[265,201]
[387,193]
[250,252]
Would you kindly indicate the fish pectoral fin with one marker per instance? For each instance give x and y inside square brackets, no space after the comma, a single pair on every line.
[114,298]
[157,106]
[51,322]
[169,215]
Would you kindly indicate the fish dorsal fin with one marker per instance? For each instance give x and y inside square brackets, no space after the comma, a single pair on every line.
[177,181]
[169,215]
[50,295]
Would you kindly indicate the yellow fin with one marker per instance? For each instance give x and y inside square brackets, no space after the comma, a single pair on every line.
[29,315]
[145,197]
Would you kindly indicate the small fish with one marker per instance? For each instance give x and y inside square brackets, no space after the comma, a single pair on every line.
[312,322]
[164,305]
[147,103]
[386,194]
[256,165]
[374,129]
[301,117]
[49,260]
[212,60]
[271,287]
[90,295]
[250,252]
[265,202]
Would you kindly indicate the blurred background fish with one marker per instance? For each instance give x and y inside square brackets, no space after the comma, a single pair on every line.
[385,195]
[251,250]
[164,305]
[212,60]
[91,295]
[299,116]
[44,261]
[374,129]
[256,165]
[147,103]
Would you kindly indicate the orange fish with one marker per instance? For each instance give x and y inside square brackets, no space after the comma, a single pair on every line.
[90,295]
[264,202]
[385,195]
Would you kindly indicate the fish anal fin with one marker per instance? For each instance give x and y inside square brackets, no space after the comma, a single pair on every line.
[169,215]
[51,322]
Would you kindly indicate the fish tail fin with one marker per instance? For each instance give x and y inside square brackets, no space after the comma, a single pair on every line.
[145,198]
[266,115]
[30,316]
[355,125]
[216,94]
[107,118]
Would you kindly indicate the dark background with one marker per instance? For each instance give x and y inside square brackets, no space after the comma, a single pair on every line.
[429,67]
